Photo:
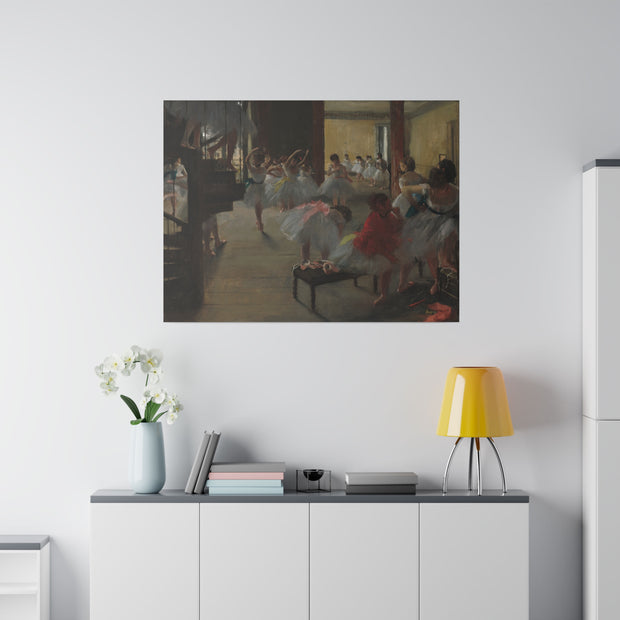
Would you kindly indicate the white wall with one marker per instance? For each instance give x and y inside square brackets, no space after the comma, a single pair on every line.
[80,140]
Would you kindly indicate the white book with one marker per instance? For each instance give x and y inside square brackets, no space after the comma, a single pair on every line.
[193,474]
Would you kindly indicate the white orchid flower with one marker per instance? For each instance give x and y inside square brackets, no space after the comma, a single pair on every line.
[102,373]
[129,359]
[108,386]
[114,363]
[137,351]
[155,375]
[150,359]
[158,395]
[171,417]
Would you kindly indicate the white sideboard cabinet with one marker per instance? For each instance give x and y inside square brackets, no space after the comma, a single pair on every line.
[306,556]
[601,412]
[25,577]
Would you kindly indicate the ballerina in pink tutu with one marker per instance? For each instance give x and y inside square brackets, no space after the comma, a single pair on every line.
[315,224]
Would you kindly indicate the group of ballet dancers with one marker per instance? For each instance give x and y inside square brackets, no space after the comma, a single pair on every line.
[421,224]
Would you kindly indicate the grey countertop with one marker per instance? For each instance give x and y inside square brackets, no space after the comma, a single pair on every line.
[23,542]
[115,496]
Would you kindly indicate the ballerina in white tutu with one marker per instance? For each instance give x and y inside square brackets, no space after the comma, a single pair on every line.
[358,167]
[425,234]
[381,179]
[373,250]
[405,201]
[381,172]
[369,169]
[308,185]
[286,192]
[258,163]
[347,163]
[338,185]
[315,224]
[175,189]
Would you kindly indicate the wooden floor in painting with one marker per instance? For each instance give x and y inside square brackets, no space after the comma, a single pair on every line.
[250,278]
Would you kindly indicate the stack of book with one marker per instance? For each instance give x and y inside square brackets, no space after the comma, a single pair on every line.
[202,463]
[395,482]
[246,479]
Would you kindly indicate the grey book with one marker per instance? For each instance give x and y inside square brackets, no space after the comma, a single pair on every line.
[200,455]
[206,463]
[380,489]
[381,477]
[235,468]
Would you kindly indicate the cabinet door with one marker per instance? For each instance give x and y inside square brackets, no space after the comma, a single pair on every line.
[144,561]
[474,561]
[363,561]
[253,561]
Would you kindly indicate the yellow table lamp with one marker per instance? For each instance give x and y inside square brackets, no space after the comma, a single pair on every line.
[474,405]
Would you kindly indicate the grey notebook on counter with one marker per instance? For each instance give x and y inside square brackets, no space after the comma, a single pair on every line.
[381,477]
[380,489]
[206,463]
[200,455]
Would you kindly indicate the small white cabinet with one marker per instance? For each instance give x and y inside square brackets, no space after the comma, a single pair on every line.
[24,577]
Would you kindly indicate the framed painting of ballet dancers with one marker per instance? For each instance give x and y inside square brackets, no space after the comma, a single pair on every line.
[300,211]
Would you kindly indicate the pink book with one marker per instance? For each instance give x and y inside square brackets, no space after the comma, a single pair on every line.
[248,475]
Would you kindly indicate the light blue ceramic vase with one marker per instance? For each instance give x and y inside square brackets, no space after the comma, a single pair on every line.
[147,463]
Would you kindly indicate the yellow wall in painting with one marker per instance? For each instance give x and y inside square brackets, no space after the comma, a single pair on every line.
[355,137]
[430,134]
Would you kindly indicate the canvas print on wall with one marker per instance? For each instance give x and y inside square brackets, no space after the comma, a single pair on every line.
[311,211]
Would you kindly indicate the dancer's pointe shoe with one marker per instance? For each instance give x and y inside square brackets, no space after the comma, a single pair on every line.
[435,288]
[259,226]
[380,300]
[405,287]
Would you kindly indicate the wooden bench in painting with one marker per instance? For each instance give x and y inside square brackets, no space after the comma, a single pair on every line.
[317,277]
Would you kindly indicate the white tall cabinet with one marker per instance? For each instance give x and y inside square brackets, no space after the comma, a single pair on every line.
[601,408]
[24,577]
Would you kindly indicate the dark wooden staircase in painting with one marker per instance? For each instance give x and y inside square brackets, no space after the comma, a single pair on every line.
[177,262]
[211,190]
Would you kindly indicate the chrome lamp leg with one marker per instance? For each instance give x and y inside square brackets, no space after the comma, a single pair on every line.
[478,465]
[445,474]
[470,486]
[499,461]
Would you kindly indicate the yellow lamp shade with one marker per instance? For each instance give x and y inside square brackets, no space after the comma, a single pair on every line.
[475,404]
